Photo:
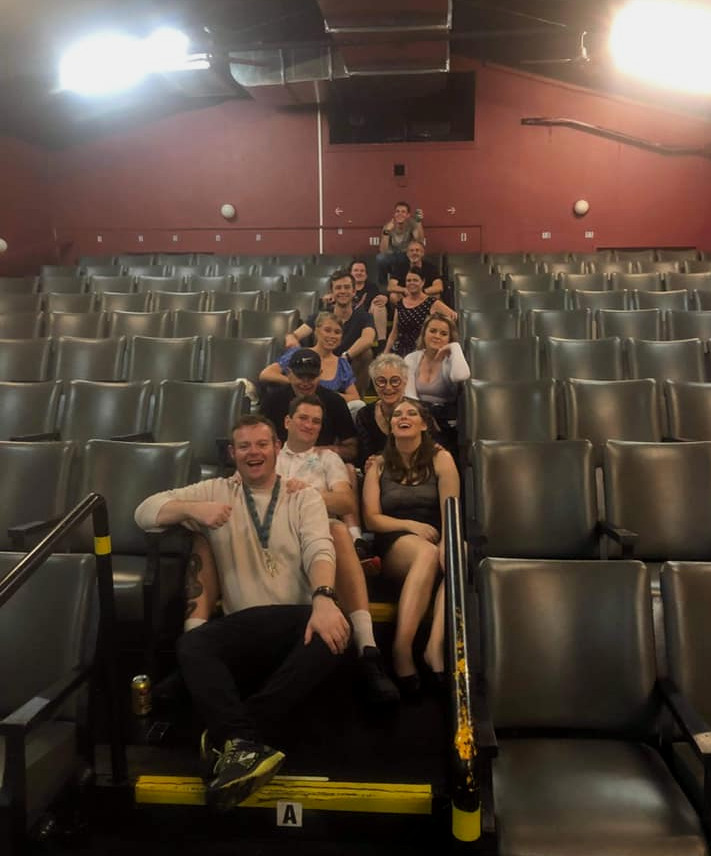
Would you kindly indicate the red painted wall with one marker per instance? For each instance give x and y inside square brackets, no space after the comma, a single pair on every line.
[25,210]
[512,183]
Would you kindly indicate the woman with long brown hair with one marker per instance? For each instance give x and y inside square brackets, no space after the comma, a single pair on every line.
[404,496]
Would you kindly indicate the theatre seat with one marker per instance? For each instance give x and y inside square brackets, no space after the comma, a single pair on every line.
[598,359]
[496,324]
[28,408]
[534,499]
[505,359]
[229,359]
[104,410]
[47,633]
[148,589]
[688,409]
[568,664]
[25,359]
[686,595]
[36,475]
[89,359]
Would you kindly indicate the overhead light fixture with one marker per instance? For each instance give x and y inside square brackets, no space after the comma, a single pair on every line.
[109,62]
[664,43]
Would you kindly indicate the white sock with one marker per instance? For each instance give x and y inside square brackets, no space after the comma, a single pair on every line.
[192,623]
[362,629]
[355,532]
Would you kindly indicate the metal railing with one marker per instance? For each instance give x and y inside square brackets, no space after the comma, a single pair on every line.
[465,795]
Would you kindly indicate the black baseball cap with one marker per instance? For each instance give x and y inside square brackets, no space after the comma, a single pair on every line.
[305,363]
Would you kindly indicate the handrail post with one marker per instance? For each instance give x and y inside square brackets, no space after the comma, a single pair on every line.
[107,637]
[466,806]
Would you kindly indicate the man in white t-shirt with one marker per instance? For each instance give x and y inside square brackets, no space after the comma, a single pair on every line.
[303,464]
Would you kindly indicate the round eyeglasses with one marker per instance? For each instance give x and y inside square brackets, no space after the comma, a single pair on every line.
[382,382]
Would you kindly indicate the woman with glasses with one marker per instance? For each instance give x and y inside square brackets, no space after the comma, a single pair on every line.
[411,313]
[404,495]
[389,375]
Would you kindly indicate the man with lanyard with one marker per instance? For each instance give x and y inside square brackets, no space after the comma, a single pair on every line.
[302,464]
[358,327]
[415,259]
[282,630]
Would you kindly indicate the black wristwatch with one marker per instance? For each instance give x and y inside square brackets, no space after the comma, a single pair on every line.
[324,591]
[385,232]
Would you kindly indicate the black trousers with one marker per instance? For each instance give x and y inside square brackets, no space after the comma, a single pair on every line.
[246,671]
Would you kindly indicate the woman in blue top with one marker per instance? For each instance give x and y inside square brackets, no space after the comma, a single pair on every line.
[336,372]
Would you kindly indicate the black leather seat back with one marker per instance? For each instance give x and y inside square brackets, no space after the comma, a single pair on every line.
[661,491]
[536,499]
[597,359]
[568,645]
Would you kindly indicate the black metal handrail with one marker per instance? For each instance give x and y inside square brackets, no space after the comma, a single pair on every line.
[95,505]
[466,806]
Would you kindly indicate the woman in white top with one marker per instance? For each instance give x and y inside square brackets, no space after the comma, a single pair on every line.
[438,365]
[435,371]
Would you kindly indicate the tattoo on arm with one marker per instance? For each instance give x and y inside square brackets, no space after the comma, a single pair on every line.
[193,586]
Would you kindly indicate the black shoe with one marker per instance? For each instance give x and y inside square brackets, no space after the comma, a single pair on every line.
[409,686]
[237,770]
[379,689]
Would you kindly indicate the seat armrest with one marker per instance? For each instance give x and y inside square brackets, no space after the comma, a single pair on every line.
[43,704]
[696,730]
[624,537]
[139,437]
[44,436]
[19,535]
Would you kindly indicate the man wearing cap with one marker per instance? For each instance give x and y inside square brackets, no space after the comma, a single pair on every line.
[337,431]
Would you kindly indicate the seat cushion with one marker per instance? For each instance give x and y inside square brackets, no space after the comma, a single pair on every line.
[590,798]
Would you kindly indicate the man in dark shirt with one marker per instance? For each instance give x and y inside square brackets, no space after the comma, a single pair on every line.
[415,259]
[337,431]
[358,328]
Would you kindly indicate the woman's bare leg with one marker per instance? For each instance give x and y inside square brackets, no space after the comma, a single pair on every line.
[416,562]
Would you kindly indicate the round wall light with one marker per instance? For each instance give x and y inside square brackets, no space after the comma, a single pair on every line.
[581,207]
[228,211]
[3,245]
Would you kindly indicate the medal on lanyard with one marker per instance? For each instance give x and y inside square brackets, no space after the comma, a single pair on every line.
[263,529]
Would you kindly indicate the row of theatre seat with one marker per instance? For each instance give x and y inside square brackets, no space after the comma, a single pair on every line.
[522,300]
[482,270]
[246,323]
[191,358]
[480,281]
[155,301]
[651,324]
[233,279]
[642,410]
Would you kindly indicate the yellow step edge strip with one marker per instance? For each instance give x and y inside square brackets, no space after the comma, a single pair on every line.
[372,797]
[383,613]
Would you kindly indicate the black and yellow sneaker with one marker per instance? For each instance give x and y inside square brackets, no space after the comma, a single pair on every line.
[237,770]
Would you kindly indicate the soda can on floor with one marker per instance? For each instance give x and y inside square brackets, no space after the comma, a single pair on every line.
[141,695]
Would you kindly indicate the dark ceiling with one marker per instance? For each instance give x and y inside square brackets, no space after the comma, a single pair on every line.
[544,37]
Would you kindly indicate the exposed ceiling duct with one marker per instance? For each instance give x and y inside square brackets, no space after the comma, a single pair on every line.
[362,39]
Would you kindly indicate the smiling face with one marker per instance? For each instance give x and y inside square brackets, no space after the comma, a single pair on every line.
[389,385]
[402,212]
[343,291]
[414,283]
[254,451]
[415,253]
[304,426]
[407,421]
[329,334]
[303,385]
[436,334]
[359,272]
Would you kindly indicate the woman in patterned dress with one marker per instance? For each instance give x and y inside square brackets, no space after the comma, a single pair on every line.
[411,313]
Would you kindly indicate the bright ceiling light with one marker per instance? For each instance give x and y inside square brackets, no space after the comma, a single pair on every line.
[101,64]
[111,62]
[665,43]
